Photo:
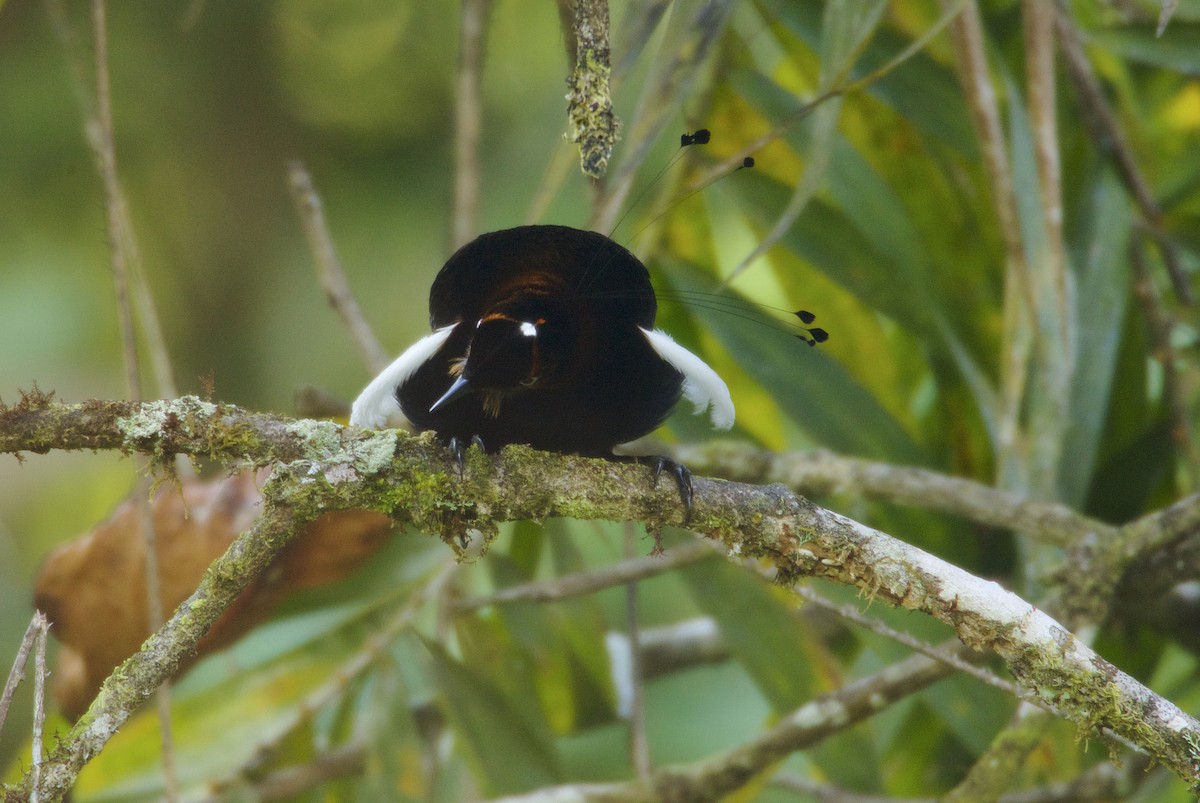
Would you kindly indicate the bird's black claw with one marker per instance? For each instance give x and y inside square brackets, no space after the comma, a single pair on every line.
[683,480]
[458,450]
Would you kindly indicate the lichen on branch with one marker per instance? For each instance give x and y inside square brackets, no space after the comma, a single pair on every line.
[318,466]
[590,117]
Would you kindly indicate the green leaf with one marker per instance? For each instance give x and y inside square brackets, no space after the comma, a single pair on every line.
[679,729]
[561,647]
[762,630]
[811,388]
[509,750]
[1102,255]
[216,731]
[845,30]
[972,711]
[1177,49]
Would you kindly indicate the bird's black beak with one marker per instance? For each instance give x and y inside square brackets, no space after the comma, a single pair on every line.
[454,390]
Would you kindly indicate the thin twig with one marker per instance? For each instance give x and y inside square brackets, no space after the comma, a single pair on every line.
[971,58]
[1048,399]
[120,235]
[39,700]
[154,613]
[994,771]
[572,585]
[714,777]
[102,126]
[821,472]
[1107,133]
[329,268]
[980,93]
[1039,27]
[1160,326]
[639,745]
[340,679]
[289,783]
[468,122]
[151,327]
[1165,12]
[938,653]
[827,793]
[17,673]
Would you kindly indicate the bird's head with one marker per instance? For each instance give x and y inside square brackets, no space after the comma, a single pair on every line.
[507,352]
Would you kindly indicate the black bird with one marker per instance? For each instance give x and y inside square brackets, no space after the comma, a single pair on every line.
[543,335]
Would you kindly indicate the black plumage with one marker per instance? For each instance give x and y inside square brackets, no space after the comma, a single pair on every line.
[597,381]
[543,335]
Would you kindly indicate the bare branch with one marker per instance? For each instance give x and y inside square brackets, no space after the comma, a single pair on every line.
[287,783]
[101,138]
[468,122]
[639,744]
[123,255]
[995,769]
[713,778]
[1161,328]
[39,699]
[572,585]
[937,653]
[17,673]
[980,93]
[826,793]
[329,269]
[684,644]
[1095,567]
[821,472]
[1166,11]
[1107,132]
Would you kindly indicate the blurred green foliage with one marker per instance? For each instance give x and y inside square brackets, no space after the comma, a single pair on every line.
[895,245]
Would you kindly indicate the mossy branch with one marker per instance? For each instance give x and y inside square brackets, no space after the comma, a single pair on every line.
[319,466]
[590,118]
[823,472]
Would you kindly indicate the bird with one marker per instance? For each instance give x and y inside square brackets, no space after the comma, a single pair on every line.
[544,335]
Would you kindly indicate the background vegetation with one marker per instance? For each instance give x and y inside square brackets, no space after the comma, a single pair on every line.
[1018,317]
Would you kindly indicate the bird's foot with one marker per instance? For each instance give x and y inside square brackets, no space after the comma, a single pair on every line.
[683,481]
[458,450]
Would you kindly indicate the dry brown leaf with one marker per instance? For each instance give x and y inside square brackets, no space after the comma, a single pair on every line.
[94,588]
